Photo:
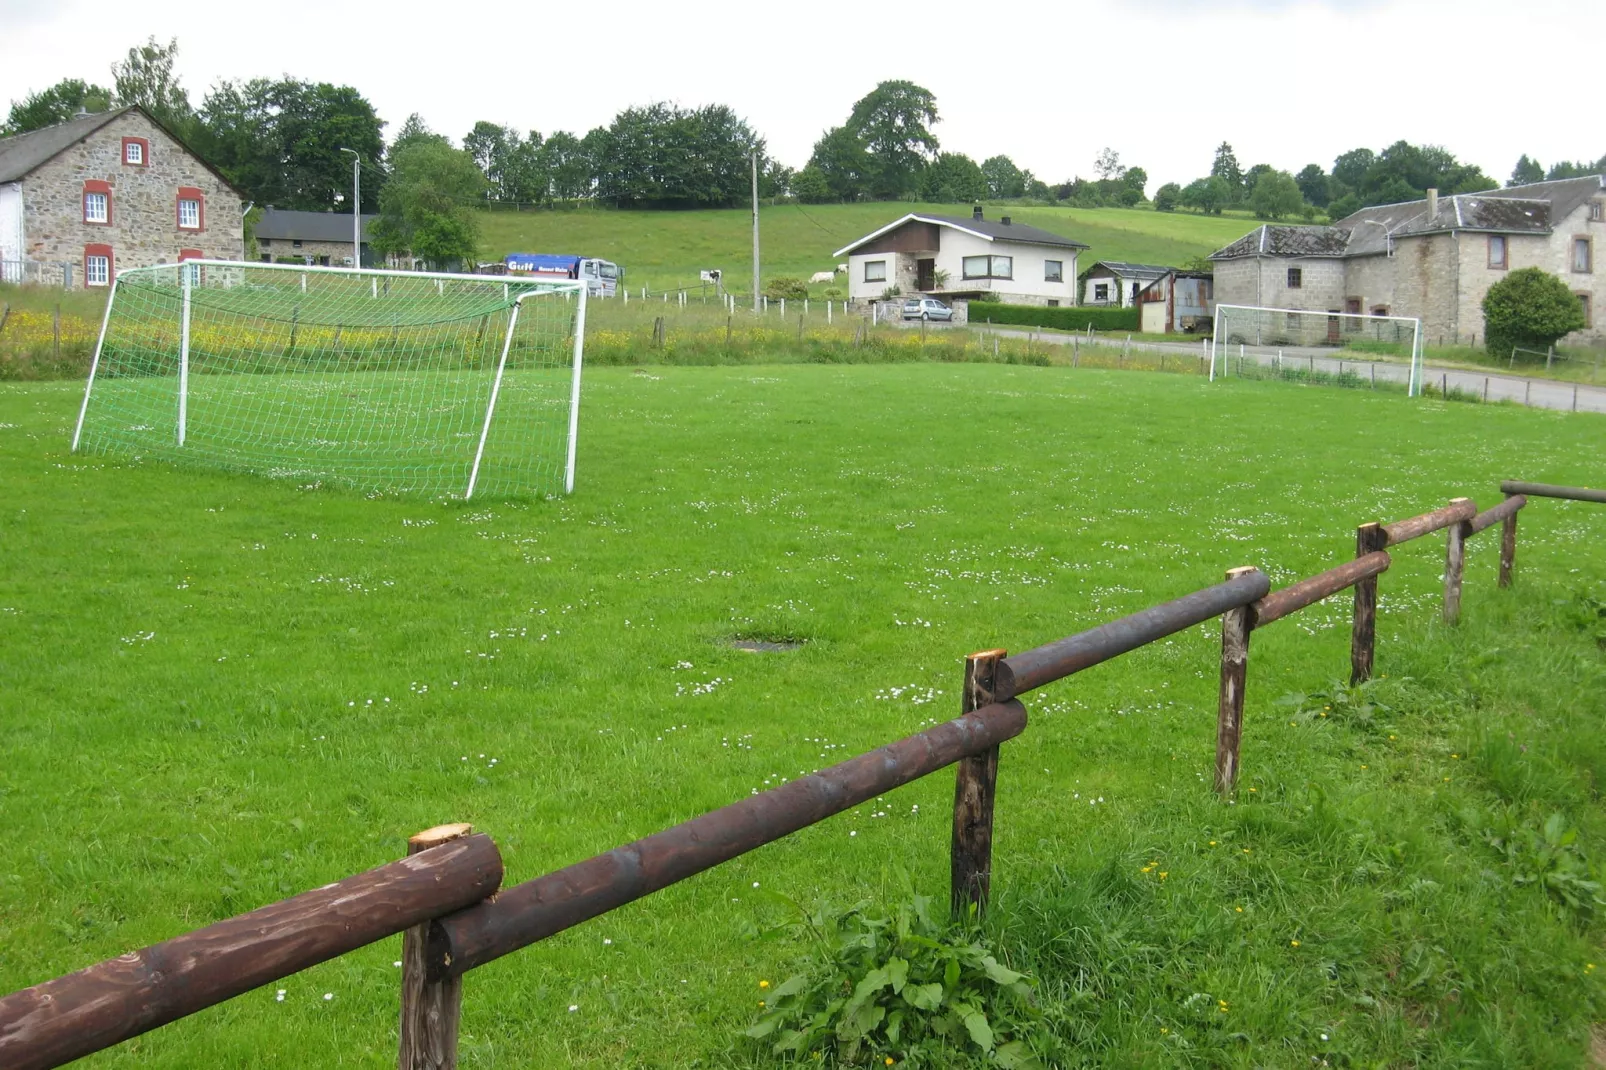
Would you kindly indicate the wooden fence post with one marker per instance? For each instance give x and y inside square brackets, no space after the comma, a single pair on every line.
[429,1010]
[1236,624]
[1455,559]
[974,787]
[1368,538]
[1508,548]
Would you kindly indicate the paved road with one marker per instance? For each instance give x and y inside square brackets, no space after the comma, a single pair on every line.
[1539,393]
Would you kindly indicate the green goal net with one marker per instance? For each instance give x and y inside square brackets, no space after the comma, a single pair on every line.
[383,381]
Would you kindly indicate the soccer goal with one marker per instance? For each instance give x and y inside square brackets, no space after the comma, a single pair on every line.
[1327,342]
[383,381]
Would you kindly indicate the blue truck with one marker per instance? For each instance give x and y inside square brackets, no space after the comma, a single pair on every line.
[600,276]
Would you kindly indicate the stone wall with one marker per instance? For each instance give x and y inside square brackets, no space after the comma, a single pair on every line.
[1552,253]
[1235,281]
[144,202]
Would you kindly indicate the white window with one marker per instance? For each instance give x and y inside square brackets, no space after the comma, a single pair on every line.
[95,207]
[1101,291]
[1053,271]
[134,153]
[189,214]
[988,267]
[97,270]
[1583,255]
[875,271]
[1497,252]
[192,273]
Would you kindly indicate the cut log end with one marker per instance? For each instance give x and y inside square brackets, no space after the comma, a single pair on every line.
[434,837]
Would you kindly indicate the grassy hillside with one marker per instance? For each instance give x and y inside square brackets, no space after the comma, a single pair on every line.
[664,250]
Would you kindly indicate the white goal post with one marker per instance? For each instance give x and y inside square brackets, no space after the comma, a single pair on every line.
[1267,334]
[384,381]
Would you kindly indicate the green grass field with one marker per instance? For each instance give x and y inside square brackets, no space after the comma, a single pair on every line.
[666,250]
[217,690]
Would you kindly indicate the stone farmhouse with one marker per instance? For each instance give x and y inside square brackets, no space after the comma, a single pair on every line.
[958,258]
[87,198]
[292,237]
[1434,259]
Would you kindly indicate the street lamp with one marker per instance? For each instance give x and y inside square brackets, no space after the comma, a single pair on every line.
[356,208]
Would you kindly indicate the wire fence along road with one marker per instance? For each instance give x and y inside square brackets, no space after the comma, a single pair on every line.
[1492,386]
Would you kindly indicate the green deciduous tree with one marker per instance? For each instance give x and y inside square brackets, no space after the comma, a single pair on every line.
[1167,197]
[55,105]
[1350,169]
[1276,195]
[1530,308]
[1004,179]
[842,160]
[1344,206]
[145,77]
[1314,185]
[953,177]
[1207,195]
[893,122]
[1134,181]
[427,206]
[810,186]
[280,141]
[664,156]
[567,164]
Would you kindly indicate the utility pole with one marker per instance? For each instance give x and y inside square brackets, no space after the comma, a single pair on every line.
[356,209]
[755,232]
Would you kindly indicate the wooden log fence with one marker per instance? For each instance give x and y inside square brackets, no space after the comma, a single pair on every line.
[444,896]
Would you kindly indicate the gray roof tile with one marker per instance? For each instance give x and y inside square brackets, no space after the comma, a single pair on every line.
[284,224]
[21,153]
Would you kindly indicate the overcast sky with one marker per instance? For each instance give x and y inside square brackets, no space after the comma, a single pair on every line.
[1047,83]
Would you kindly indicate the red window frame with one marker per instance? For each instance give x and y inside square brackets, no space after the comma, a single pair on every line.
[93,249]
[95,185]
[190,193]
[144,144]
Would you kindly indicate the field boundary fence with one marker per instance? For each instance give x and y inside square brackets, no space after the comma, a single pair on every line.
[446,899]
[58,273]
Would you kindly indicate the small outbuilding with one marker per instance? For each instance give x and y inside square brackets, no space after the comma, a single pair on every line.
[1117,283]
[1178,302]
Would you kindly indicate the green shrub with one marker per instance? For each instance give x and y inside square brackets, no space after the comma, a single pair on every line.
[832,292]
[901,989]
[1530,308]
[785,286]
[1065,319]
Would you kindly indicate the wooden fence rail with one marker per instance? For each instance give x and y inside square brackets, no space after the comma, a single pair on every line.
[444,896]
[72,1016]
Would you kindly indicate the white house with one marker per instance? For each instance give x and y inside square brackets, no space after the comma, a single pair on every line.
[955,257]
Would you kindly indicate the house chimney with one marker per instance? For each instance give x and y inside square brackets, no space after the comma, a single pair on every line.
[1005,221]
[975,213]
[1433,205]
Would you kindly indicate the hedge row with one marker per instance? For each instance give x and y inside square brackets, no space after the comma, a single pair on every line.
[1065,319]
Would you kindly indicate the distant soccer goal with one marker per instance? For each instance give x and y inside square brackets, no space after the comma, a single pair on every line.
[1270,336]
[383,381]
